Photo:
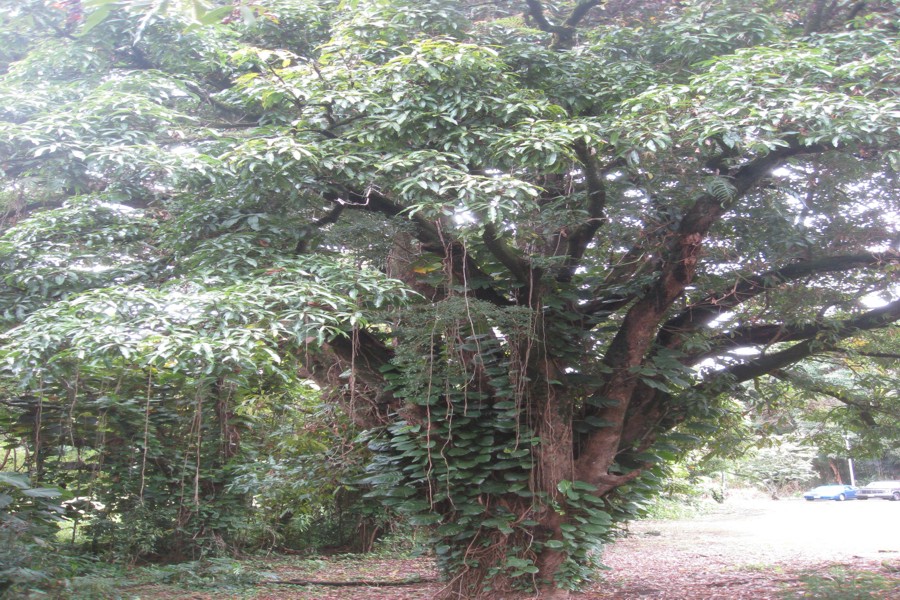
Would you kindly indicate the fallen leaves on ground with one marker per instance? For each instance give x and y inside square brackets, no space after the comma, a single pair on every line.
[751,551]
[354,569]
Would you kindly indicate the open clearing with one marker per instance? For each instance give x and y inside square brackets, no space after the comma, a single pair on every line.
[755,549]
[760,549]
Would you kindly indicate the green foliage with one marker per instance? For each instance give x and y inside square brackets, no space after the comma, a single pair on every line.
[706,31]
[222,574]
[27,518]
[690,489]
[302,478]
[842,583]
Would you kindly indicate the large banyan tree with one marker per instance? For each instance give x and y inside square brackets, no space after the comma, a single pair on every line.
[531,246]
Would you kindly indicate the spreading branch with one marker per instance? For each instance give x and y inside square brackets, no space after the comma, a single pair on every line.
[464,267]
[863,406]
[887,355]
[516,265]
[763,365]
[702,313]
[638,331]
[581,237]
[329,219]
[651,409]
[563,35]
[767,334]
[821,15]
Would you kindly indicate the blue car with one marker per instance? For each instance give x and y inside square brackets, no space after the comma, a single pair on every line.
[834,491]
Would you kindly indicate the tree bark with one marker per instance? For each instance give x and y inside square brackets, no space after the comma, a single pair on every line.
[835,471]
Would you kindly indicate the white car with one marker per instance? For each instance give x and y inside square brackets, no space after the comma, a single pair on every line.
[889,490]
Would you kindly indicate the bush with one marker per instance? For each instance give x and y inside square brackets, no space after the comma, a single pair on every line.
[30,557]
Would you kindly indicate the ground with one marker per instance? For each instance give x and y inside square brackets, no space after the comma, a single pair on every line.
[746,548]
[760,549]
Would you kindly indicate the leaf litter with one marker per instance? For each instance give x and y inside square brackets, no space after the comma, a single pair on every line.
[748,550]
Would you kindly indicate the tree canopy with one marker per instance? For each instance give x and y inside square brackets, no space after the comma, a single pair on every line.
[531,247]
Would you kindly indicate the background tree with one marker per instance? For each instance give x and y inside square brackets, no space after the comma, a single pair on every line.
[529,246]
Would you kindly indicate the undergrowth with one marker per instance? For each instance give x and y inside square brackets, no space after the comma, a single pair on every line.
[677,508]
[843,583]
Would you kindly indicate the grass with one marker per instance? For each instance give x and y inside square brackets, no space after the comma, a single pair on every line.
[678,508]
[763,568]
[217,576]
[843,583]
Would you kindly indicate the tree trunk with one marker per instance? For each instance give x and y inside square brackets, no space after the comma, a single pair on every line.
[229,435]
[835,471]
[493,562]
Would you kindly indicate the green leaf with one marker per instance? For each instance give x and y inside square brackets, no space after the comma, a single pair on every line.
[214,16]
[96,16]
[424,520]
[16,480]
[583,486]
[42,492]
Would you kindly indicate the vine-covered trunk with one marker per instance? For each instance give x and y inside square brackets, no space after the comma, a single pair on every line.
[538,549]
[487,456]
[551,419]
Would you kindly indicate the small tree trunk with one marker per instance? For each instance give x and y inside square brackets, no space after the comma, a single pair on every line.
[229,435]
[835,471]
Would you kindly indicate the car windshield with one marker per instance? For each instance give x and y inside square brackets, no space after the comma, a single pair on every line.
[882,484]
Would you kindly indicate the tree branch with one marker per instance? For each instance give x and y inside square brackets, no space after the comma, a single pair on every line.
[819,17]
[888,355]
[701,313]
[581,237]
[843,396]
[519,268]
[563,35]
[873,319]
[465,269]
[581,11]
[638,330]
[650,408]
[677,268]
[536,12]
[332,217]
[767,334]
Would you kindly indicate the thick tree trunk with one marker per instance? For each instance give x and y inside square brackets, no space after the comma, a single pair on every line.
[549,415]
[554,464]
[488,575]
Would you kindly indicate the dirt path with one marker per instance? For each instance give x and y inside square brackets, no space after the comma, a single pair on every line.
[756,549]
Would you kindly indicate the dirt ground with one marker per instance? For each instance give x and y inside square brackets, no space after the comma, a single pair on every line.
[747,548]
[757,548]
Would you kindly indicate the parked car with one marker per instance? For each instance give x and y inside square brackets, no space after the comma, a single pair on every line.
[889,490]
[834,491]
